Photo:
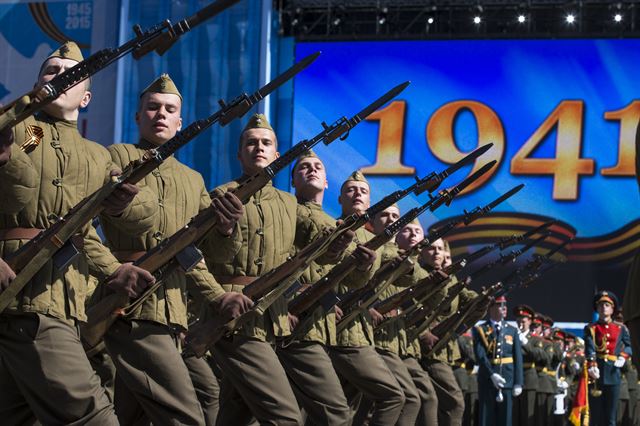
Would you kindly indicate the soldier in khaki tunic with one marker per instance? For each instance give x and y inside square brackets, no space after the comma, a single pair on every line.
[255,383]
[152,381]
[49,168]
[361,369]
[390,338]
[546,375]
[410,352]
[313,379]
[450,399]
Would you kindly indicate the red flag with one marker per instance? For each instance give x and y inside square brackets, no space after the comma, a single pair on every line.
[580,407]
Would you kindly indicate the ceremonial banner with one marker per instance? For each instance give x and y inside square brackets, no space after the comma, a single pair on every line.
[562,115]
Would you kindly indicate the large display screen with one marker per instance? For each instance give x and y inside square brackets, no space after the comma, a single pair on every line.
[562,116]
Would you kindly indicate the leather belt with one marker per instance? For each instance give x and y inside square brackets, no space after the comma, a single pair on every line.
[19,233]
[607,357]
[500,361]
[237,280]
[529,365]
[128,255]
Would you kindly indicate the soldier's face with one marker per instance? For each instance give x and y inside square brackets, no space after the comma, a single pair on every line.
[605,310]
[523,323]
[354,197]
[159,117]
[409,236]
[498,311]
[258,148]
[310,174]
[447,259]
[434,254]
[385,218]
[69,102]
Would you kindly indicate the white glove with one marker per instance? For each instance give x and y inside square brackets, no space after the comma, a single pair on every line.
[619,362]
[523,339]
[498,380]
[517,390]
[594,372]
[562,384]
[475,369]
[575,365]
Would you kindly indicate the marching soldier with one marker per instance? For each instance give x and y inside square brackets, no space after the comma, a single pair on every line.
[152,381]
[499,356]
[391,337]
[524,406]
[607,348]
[305,360]
[450,408]
[410,351]
[255,383]
[46,167]
[354,357]
[468,363]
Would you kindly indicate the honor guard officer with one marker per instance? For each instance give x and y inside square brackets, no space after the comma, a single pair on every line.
[498,353]
[607,347]
[47,167]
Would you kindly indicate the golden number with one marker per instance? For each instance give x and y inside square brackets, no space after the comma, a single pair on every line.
[629,118]
[567,166]
[390,136]
[440,136]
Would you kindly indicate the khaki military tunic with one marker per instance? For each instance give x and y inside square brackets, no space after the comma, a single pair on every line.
[44,184]
[177,193]
[255,384]
[38,334]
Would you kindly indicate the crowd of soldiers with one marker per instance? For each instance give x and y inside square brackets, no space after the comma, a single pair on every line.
[278,368]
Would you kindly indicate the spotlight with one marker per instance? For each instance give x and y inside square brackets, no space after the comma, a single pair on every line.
[570,18]
[336,22]
[522,19]
[477,20]
[617,17]
[430,20]
[382,16]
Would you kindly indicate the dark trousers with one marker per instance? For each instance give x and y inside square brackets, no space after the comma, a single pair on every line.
[604,407]
[524,408]
[492,412]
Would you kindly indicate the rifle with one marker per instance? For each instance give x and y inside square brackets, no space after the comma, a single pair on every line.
[179,249]
[203,335]
[537,262]
[56,240]
[160,38]
[509,258]
[464,318]
[304,303]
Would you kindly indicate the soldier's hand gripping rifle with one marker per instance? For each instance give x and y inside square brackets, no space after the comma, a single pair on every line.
[423,289]
[159,38]
[179,249]
[303,305]
[467,219]
[56,242]
[390,272]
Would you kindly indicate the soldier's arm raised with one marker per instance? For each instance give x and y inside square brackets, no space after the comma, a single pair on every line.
[142,212]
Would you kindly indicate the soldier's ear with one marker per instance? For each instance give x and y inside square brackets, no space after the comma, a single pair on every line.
[180,124]
[86,98]
[137,118]
[277,154]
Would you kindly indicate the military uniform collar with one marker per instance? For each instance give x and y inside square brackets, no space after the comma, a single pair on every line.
[312,205]
[43,116]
